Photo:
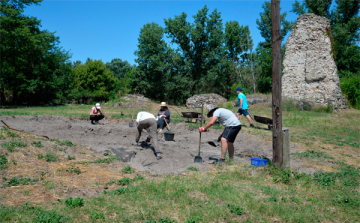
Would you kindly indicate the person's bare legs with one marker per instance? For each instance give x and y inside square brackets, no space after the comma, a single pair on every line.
[224,147]
[231,150]
[249,119]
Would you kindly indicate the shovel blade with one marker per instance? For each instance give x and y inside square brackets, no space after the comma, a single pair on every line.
[212,143]
[131,124]
[198,159]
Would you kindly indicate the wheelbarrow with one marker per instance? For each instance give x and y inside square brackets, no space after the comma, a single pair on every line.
[262,120]
[190,115]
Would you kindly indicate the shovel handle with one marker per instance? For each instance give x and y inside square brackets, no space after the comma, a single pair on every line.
[202,111]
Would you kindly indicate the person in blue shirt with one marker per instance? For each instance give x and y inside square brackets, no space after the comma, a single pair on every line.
[243,106]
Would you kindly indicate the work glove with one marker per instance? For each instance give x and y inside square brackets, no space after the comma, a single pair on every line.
[219,139]
[202,129]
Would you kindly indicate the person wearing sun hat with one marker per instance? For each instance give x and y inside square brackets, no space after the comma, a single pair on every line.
[96,114]
[163,114]
[232,127]
[243,106]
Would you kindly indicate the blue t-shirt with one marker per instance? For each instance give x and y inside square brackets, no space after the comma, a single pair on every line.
[244,104]
[226,117]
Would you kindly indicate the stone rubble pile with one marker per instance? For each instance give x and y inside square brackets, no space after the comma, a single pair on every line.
[209,100]
[310,73]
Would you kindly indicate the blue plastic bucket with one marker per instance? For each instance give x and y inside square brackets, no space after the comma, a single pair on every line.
[258,162]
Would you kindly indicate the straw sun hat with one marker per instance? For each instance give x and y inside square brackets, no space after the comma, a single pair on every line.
[163,104]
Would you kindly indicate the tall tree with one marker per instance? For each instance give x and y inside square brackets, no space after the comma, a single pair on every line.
[152,61]
[201,47]
[318,7]
[264,48]
[119,67]
[33,67]
[92,81]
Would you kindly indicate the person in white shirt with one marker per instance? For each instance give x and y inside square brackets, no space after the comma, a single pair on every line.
[147,121]
[232,127]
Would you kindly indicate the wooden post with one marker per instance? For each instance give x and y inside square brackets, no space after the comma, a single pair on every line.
[276,83]
[286,147]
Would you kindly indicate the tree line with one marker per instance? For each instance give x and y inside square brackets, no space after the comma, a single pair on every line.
[174,62]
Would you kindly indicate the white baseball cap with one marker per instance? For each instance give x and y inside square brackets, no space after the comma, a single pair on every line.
[98,106]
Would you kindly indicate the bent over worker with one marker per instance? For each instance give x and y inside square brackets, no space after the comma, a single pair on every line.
[147,121]
[232,127]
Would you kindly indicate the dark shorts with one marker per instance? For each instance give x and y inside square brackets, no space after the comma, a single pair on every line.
[242,112]
[231,132]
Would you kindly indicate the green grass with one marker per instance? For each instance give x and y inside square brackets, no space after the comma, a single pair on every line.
[11,145]
[232,190]
[313,154]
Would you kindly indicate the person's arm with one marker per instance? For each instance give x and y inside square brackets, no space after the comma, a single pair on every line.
[210,123]
[92,112]
[99,112]
[241,102]
[167,114]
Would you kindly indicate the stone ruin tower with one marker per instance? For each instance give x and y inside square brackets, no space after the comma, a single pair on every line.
[310,72]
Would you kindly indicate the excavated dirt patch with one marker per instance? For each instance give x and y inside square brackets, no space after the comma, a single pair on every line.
[118,137]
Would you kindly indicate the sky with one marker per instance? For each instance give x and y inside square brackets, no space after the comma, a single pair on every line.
[104,30]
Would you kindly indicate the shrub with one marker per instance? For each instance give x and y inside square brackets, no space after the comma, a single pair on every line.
[124,181]
[96,215]
[350,86]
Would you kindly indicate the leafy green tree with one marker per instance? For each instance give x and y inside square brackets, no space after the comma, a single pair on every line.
[201,48]
[92,81]
[33,67]
[318,7]
[264,49]
[152,61]
[119,67]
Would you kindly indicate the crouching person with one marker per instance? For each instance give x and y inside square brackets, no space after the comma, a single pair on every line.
[96,115]
[232,127]
[147,121]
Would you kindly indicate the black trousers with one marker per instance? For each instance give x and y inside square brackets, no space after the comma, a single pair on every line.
[161,123]
[96,118]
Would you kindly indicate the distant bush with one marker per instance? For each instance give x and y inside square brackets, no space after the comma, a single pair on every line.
[350,86]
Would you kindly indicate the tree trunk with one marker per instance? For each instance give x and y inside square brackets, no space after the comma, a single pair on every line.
[276,83]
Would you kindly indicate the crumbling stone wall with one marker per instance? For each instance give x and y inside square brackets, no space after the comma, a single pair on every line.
[209,100]
[310,71]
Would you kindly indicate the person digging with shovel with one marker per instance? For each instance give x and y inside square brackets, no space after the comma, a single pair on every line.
[96,115]
[232,127]
[147,121]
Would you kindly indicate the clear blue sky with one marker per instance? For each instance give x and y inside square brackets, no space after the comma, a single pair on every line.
[110,29]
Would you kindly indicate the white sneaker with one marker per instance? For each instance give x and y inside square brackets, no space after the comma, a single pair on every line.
[160,130]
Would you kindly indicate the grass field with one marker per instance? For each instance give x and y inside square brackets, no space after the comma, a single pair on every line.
[231,192]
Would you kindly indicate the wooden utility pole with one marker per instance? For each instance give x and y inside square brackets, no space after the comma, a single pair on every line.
[276,84]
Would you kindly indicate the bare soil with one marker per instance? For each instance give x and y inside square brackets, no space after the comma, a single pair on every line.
[118,137]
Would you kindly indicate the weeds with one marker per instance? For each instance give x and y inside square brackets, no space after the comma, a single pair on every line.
[37,144]
[12,144]
[127,169]
[75,170]
[97,215]
[3,162]
[192,168]
[235,209]
[49,217]
[162,220]
[124,181]
[73,203]
[15,181]
[108,160]
[313,154]
[49,157]
[70,157]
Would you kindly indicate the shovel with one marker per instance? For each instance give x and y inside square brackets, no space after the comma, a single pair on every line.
[167,125]
[198,158]
[131,124]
